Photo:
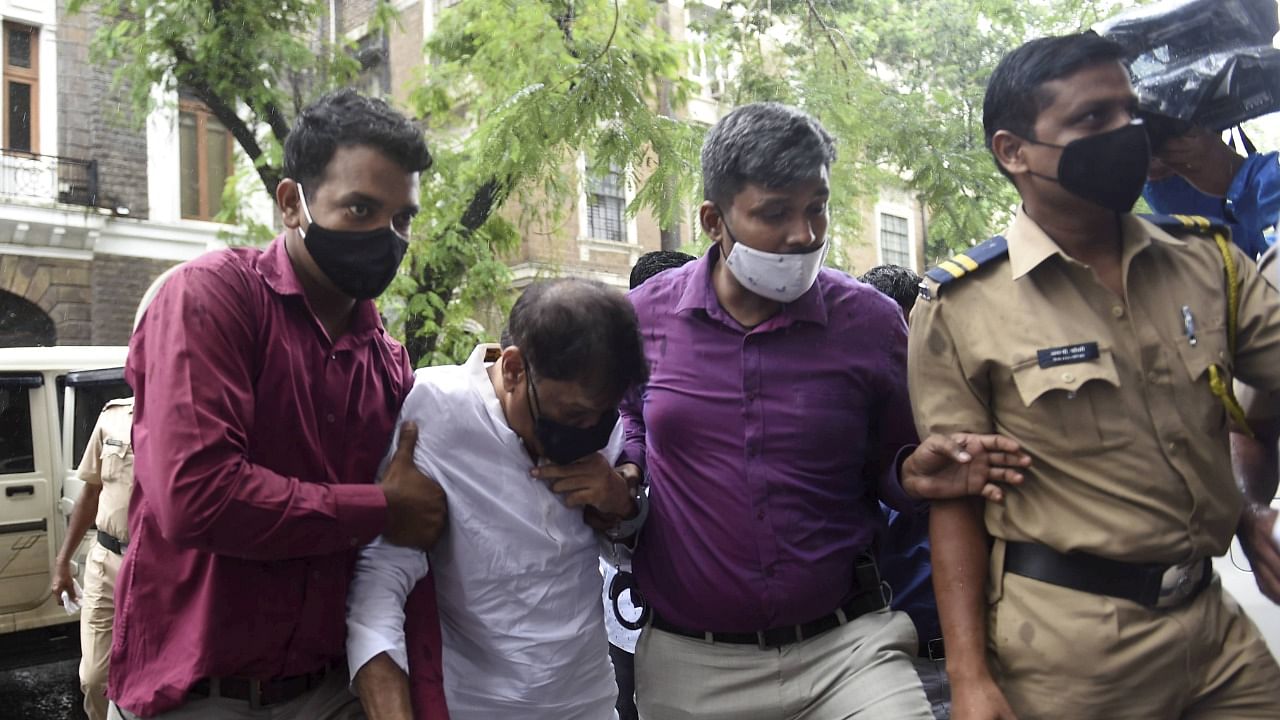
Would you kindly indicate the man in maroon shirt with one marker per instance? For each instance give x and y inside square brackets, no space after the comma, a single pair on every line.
[267,390]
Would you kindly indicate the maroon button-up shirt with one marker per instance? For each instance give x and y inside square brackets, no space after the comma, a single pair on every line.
[257,440]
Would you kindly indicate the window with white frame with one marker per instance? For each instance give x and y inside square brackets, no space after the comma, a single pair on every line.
[21,88]
[205,159]
[606,205]
[895,242]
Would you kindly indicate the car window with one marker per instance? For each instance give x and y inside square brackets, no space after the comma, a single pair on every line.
[16,444]
[93,390]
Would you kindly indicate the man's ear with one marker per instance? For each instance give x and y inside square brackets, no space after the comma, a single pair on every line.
[289,203]
[1008,150]
[709,218]
[513,370]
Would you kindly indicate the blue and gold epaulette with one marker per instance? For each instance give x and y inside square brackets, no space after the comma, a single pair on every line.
[948,271]
[1182,224]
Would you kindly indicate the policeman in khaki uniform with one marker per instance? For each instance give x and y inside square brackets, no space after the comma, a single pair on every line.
[1096,340]
[107,470]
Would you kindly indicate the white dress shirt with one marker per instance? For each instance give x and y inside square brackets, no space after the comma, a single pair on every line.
[516,573]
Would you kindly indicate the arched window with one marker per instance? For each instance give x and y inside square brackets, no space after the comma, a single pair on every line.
[23,323]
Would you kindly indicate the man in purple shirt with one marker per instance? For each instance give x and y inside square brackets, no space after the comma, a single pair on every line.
[776,416]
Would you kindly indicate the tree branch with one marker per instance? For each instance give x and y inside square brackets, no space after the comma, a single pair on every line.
[188,74]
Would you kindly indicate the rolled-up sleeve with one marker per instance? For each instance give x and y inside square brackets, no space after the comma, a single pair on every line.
[384,576]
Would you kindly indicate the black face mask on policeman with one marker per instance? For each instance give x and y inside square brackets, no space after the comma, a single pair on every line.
[360,263]
[563,444]
[1108,169]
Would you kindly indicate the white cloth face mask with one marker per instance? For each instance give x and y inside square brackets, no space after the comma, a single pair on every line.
[777,276]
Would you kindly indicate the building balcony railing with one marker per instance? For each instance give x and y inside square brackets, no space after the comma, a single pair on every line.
[48,177]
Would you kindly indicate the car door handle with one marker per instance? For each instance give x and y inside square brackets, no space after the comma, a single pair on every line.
[20,490]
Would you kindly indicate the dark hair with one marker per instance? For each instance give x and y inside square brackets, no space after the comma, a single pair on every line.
[345,117]
[652,263]
[901,284]
[768,143]
[1015,93]
[579,330]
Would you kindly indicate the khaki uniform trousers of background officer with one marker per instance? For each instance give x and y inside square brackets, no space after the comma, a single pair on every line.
[108,461]
[1111,397]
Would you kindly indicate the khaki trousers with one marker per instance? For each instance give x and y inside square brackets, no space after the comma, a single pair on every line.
[96,616]
[861,670]
[1060,653]
[331,701]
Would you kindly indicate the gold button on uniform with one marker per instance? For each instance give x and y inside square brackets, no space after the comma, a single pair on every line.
[1117,312]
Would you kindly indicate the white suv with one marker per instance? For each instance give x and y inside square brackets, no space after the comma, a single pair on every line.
[50,398]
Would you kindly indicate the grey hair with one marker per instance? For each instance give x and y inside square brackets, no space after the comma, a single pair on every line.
[766,143]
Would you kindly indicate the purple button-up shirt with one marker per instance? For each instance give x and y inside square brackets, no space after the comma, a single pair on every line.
[766,449]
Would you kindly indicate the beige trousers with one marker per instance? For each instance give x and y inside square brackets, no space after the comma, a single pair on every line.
[96,615]
[1059,653]
[861,670]
[330,701]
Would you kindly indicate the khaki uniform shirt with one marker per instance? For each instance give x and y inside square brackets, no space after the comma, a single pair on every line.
[108,461]
[1129,446]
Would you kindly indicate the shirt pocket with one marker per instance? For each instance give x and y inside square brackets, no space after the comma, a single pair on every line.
[117,460]
[1080,402]
[1201,410]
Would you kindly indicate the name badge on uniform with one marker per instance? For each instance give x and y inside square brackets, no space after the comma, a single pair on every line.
[1067,354]
[114,442]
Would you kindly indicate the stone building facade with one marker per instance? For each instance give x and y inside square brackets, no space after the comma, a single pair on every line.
[80,235]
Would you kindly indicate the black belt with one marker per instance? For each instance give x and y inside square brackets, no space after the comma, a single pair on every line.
[262,693]
[1138,582]
[861,604]
[111,543]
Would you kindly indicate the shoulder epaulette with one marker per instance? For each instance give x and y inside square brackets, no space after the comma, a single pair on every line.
[948,271]
[1182,224]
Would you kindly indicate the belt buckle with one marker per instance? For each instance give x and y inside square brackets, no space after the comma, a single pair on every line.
[1179,583]
[764,642]
[937,650]
[255,695]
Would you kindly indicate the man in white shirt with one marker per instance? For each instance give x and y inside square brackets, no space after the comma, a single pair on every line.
[523,439]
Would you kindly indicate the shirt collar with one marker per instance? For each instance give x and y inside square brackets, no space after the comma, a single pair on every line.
[1030,245]
[700,294]
[274,266]
[276,269]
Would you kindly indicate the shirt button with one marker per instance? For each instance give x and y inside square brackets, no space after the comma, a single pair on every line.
[1173,447]
[1117,312]
[333,356]
[1152,376]
[329,417]
[1068,377]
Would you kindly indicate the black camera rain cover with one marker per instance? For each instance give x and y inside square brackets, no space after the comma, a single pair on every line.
[1205,62]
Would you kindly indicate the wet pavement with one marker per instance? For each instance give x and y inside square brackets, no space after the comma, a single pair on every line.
[47,691]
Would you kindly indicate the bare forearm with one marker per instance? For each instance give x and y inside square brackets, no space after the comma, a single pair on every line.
[384,690]
[1256,462]
[960,556]
[82,515]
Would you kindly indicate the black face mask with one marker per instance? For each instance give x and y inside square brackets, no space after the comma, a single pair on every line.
[563,444]
[360,263]
[1108,169]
